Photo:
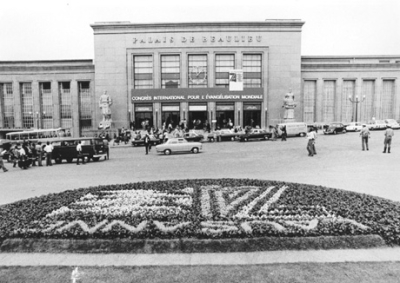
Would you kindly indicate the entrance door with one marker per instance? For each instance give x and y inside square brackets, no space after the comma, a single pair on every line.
[143,120]
[252,118]
[197,119]
[224,118]
[172,118]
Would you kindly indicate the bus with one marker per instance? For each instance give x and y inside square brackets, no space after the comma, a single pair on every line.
[38,135]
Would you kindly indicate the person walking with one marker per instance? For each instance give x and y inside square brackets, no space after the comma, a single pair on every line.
[310,142]
[365,135]
[39,153]
[388,138]
[49,152]
[147,142]
[79,154]
[2,152]
[284,133]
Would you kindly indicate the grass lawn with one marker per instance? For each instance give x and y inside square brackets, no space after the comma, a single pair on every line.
[297,272]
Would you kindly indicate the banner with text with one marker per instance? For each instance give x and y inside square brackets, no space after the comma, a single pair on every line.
[196,95]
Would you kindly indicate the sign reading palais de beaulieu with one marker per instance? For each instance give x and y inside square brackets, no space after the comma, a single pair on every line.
[196,94]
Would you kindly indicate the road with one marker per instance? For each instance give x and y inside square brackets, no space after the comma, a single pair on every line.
[340,163]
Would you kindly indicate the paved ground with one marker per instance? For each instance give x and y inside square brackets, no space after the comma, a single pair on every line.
[340,163]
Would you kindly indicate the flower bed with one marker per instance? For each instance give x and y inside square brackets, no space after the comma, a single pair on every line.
[201,209]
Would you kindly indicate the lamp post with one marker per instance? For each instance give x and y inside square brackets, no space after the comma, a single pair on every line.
[356,101]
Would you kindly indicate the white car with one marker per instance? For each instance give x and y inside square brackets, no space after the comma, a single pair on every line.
[392,123]
[178,145]
[376,125]
[354,127]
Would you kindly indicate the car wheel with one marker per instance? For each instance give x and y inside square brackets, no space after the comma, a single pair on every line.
[69,160]
[212,140]
[195,150]
[232,138]
[96,158]
[344,131]
[245,139]
[167,152]
[58,160]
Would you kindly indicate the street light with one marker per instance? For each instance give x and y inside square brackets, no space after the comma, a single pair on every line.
[356,101]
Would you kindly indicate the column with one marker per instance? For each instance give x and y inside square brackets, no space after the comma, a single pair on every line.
[210,70]
[184,70]
[358,92]
[377,98]
[212,114]
[338,99]
[396,99]
[156,70]
[184,109]
[2,90]
[36,105]
[239,113]
[75,109]
[157,114]
[56,104]
[17,105]
[319,101]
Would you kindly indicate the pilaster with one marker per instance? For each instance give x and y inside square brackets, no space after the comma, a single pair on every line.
[184,70]
[2,90]
[17,105]
[36,105]
[56,104]
[75,108]
[239,114]
[319,100]
[377,99]
[338,99]
[396,97]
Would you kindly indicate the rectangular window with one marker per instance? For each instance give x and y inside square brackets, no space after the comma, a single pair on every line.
[310,88]
[46,105]
[329,101]
[143,71]
[252,70]
[223,64]
[170,71]
[7,95]
[65,104]
[27,105]
[347,105]
[387,99]
[85,105]
[197,71]
[367,107]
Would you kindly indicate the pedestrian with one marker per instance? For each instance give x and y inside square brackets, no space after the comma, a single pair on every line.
[365,135]
[49,151]
[34,157]
[310,142]
[79,153]
[23,158]
[2,152]
[388,138]
[314,132]
[147,142]
[284,133]
[14,152]
[39,153]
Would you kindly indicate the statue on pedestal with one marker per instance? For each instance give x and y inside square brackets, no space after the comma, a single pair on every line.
[289,105]
[104,103]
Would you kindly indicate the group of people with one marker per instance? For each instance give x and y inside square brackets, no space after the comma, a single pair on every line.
[28,153]
[387,142]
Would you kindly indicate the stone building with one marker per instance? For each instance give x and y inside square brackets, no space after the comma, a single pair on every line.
[161,74]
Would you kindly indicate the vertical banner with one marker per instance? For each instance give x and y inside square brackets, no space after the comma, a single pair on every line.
[235,80]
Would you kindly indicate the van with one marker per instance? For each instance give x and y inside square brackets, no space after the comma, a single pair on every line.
[92,148]
[293,129]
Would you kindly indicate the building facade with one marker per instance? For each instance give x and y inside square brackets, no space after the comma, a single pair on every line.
[162,74]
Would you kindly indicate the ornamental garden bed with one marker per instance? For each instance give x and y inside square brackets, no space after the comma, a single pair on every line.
[199,216]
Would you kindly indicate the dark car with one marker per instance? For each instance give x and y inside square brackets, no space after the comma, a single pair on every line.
[335,128]
[254,134]
[140,140]
[193,137]
[92,148]
[224,135]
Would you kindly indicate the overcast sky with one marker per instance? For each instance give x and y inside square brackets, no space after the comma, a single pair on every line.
[60,29]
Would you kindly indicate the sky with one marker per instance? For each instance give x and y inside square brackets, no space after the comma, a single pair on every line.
[60,29]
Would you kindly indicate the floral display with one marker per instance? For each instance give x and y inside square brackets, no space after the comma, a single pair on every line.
[223,208]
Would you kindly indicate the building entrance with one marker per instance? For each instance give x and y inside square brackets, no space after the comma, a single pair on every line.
[198,117]
[225,116]
[252,115]
[144,117]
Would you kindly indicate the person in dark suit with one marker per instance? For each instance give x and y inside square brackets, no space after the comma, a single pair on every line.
[147,142]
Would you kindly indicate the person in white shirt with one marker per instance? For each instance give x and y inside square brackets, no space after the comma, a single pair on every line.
[49,150]
[79,154]
[311,135]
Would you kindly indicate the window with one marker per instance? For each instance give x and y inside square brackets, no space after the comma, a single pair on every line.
[309,101]
[223,64]
[329,101]
[6,94]
[252,70]
[27,105]
[65,105]
[197,71]
[347,105]
[143,72]
[85,105]
[170,71]
[387,99]
[368,89]
[46,105]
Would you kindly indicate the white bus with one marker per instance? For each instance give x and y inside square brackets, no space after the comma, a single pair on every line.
[38,134]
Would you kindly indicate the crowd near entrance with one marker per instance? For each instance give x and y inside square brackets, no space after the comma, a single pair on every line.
[170,116]
[144,116]
[198,117]
[225,116]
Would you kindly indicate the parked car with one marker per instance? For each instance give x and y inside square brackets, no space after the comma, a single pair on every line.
[224,135]
[354,127]
[255,134]
[392,123]
[92,148]
[138,139]
[335,128]
[193,136]
[376,125]
[293,129]
[178,145]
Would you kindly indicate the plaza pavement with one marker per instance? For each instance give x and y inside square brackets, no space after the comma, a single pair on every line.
[340,163]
